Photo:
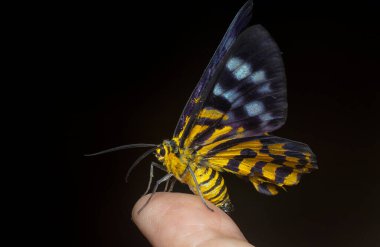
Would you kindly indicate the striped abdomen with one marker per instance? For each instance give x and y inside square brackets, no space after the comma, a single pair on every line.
[212,186]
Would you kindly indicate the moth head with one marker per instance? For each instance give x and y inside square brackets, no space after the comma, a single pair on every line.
[167,146]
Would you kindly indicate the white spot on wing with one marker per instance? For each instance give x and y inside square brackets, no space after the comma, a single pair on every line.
[231,95]
[264,89]
[254,108]
[266,117]
[233,63]
[242,72]
[258,77]
[217,90]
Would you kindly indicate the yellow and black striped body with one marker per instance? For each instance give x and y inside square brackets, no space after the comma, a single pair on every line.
[212,186]
[211,183]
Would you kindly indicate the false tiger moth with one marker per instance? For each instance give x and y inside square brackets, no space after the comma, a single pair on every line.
[226,123]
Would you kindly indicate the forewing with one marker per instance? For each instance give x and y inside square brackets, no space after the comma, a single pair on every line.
[268,161]
[200,92]
[248,94]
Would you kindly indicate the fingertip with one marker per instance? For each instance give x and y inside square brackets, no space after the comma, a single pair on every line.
[152,220]
[157,205]
[164,205]
[180,218]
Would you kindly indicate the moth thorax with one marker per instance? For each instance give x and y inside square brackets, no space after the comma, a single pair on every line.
[167,146]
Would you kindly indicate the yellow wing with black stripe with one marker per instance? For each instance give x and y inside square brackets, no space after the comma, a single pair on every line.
[268,161]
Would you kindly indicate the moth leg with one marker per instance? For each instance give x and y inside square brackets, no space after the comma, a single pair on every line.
[197,187]
[167,185]
[160,181]
[172,185]
[172,182]
[150,179]
[162,168]
[153,164]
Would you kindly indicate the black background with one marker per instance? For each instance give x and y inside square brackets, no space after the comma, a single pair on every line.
[119,74]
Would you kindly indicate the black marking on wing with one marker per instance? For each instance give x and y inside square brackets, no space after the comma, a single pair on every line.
[282,173]
[258,168]
[233,164]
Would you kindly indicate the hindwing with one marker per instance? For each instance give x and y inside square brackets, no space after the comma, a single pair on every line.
[268,161]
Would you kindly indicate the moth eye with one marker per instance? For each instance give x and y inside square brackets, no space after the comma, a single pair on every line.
[162,152]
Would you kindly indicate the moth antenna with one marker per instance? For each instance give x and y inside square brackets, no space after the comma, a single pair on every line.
[136,145]
[139,159]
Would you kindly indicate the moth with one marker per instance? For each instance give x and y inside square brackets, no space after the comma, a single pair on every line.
[226,123]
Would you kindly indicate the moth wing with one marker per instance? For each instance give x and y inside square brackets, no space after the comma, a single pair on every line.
[268,161]
[192,107]
[264,187]
[248,94]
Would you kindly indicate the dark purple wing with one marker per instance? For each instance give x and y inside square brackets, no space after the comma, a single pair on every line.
[200,92]
[248,97]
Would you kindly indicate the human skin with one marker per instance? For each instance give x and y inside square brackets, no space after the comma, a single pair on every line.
[181,220]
